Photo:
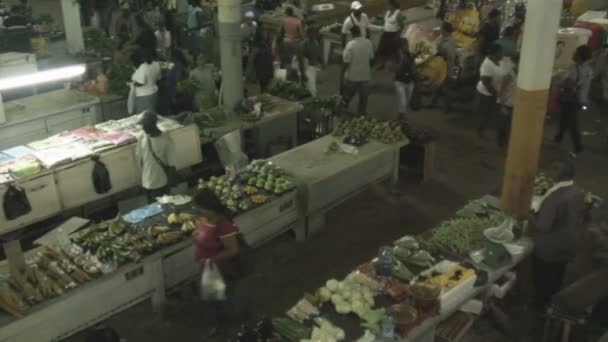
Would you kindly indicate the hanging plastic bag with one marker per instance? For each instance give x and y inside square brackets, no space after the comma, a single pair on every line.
[213,287]
[131,99]
[230,152]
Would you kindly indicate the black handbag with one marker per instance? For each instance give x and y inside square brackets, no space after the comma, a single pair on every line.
[15,203]
[101,177]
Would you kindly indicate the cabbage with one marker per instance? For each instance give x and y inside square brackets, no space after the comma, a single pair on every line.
[332,285]
[324,294]
[343,308]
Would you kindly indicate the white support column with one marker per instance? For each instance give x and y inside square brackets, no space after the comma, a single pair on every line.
[229,15]
[533,83]
[72,25]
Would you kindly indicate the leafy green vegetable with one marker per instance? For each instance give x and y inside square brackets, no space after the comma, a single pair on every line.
[288,90]
[98,44]
[119,75]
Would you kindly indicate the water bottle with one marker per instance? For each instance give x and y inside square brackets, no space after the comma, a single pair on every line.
[388,328]
[386,261]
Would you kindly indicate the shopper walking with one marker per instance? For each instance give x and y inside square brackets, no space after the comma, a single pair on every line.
[447,49]
[155,152]
[356,69]
[215,241]
[508,42]
[404,80]
[574,97]
[312,58]
[356,18]
[262,60]
[388,48]
[489,32]
[505,100]
[491,74]
[292,38]
[163,39]
[555,225]
[145,79]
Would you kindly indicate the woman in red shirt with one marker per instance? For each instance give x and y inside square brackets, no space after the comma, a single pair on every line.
[214,239]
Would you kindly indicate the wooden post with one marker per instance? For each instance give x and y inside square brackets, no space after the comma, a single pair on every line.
[530,106]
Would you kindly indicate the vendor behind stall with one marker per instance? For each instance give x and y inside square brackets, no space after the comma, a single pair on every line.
[558,216]
[205,75]
[155,152]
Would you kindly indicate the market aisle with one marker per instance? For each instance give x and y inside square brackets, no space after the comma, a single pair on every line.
[467,168]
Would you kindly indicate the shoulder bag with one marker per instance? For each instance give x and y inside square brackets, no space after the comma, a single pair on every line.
[170,171]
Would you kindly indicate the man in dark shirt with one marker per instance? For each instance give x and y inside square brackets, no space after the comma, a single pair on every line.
[490,32]
[146,40]
[555,224]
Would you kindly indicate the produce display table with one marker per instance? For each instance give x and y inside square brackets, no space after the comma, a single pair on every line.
[272,20]
[328,179]
[281,117]
[40,116]
[459,278]
[426,331]
[132,283]
[69,185]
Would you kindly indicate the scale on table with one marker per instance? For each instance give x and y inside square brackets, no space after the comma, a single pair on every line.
[495,254]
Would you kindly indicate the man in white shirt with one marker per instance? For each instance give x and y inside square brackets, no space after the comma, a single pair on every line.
[356,69]
[155,152]
[145,80]
[491,74]
[356,18]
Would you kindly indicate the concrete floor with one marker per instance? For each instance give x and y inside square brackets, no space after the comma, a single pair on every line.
[283,269]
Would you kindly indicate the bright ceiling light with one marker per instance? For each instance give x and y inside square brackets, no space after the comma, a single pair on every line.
[41,77]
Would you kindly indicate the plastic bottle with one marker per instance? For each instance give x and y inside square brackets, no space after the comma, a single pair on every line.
[386,261]
[388,328]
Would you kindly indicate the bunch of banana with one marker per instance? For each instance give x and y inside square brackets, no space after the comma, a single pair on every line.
[141,242]
[181,218]
[114,251]
[157,230]
[117,226]
[189,226]
[168,238]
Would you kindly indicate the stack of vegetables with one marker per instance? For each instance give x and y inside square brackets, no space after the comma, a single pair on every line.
[542,183]
[49,274]
[288,90]
[259,183]
[368,128]
[464,234]
[104,240]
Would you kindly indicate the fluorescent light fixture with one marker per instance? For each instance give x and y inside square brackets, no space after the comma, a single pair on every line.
[41,77]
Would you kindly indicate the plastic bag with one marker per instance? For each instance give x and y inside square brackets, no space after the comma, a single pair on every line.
[231,155]
[213,287]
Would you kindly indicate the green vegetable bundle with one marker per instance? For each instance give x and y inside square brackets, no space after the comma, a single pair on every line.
[119,75]
[290,329]
[288,90]
[462,235]
[98,44]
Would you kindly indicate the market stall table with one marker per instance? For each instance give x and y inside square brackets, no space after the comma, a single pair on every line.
[328,179]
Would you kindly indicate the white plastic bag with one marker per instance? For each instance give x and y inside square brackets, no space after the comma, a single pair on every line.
[231,155]
[213,287]
[131,99]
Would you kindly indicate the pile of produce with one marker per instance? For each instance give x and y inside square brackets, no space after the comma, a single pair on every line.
[258,184]
[407,250]
[453,277]
[462,235]
[288,90]
[48,275]
[210,118]
[542,183]
[347,297]
[291,330]
[119,76]
[333,103]
[188,86]
[368,128]
[105,241]
[98,44]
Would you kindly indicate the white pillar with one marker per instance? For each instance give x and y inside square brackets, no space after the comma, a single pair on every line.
[530,105]
[72,25]
[229,15]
